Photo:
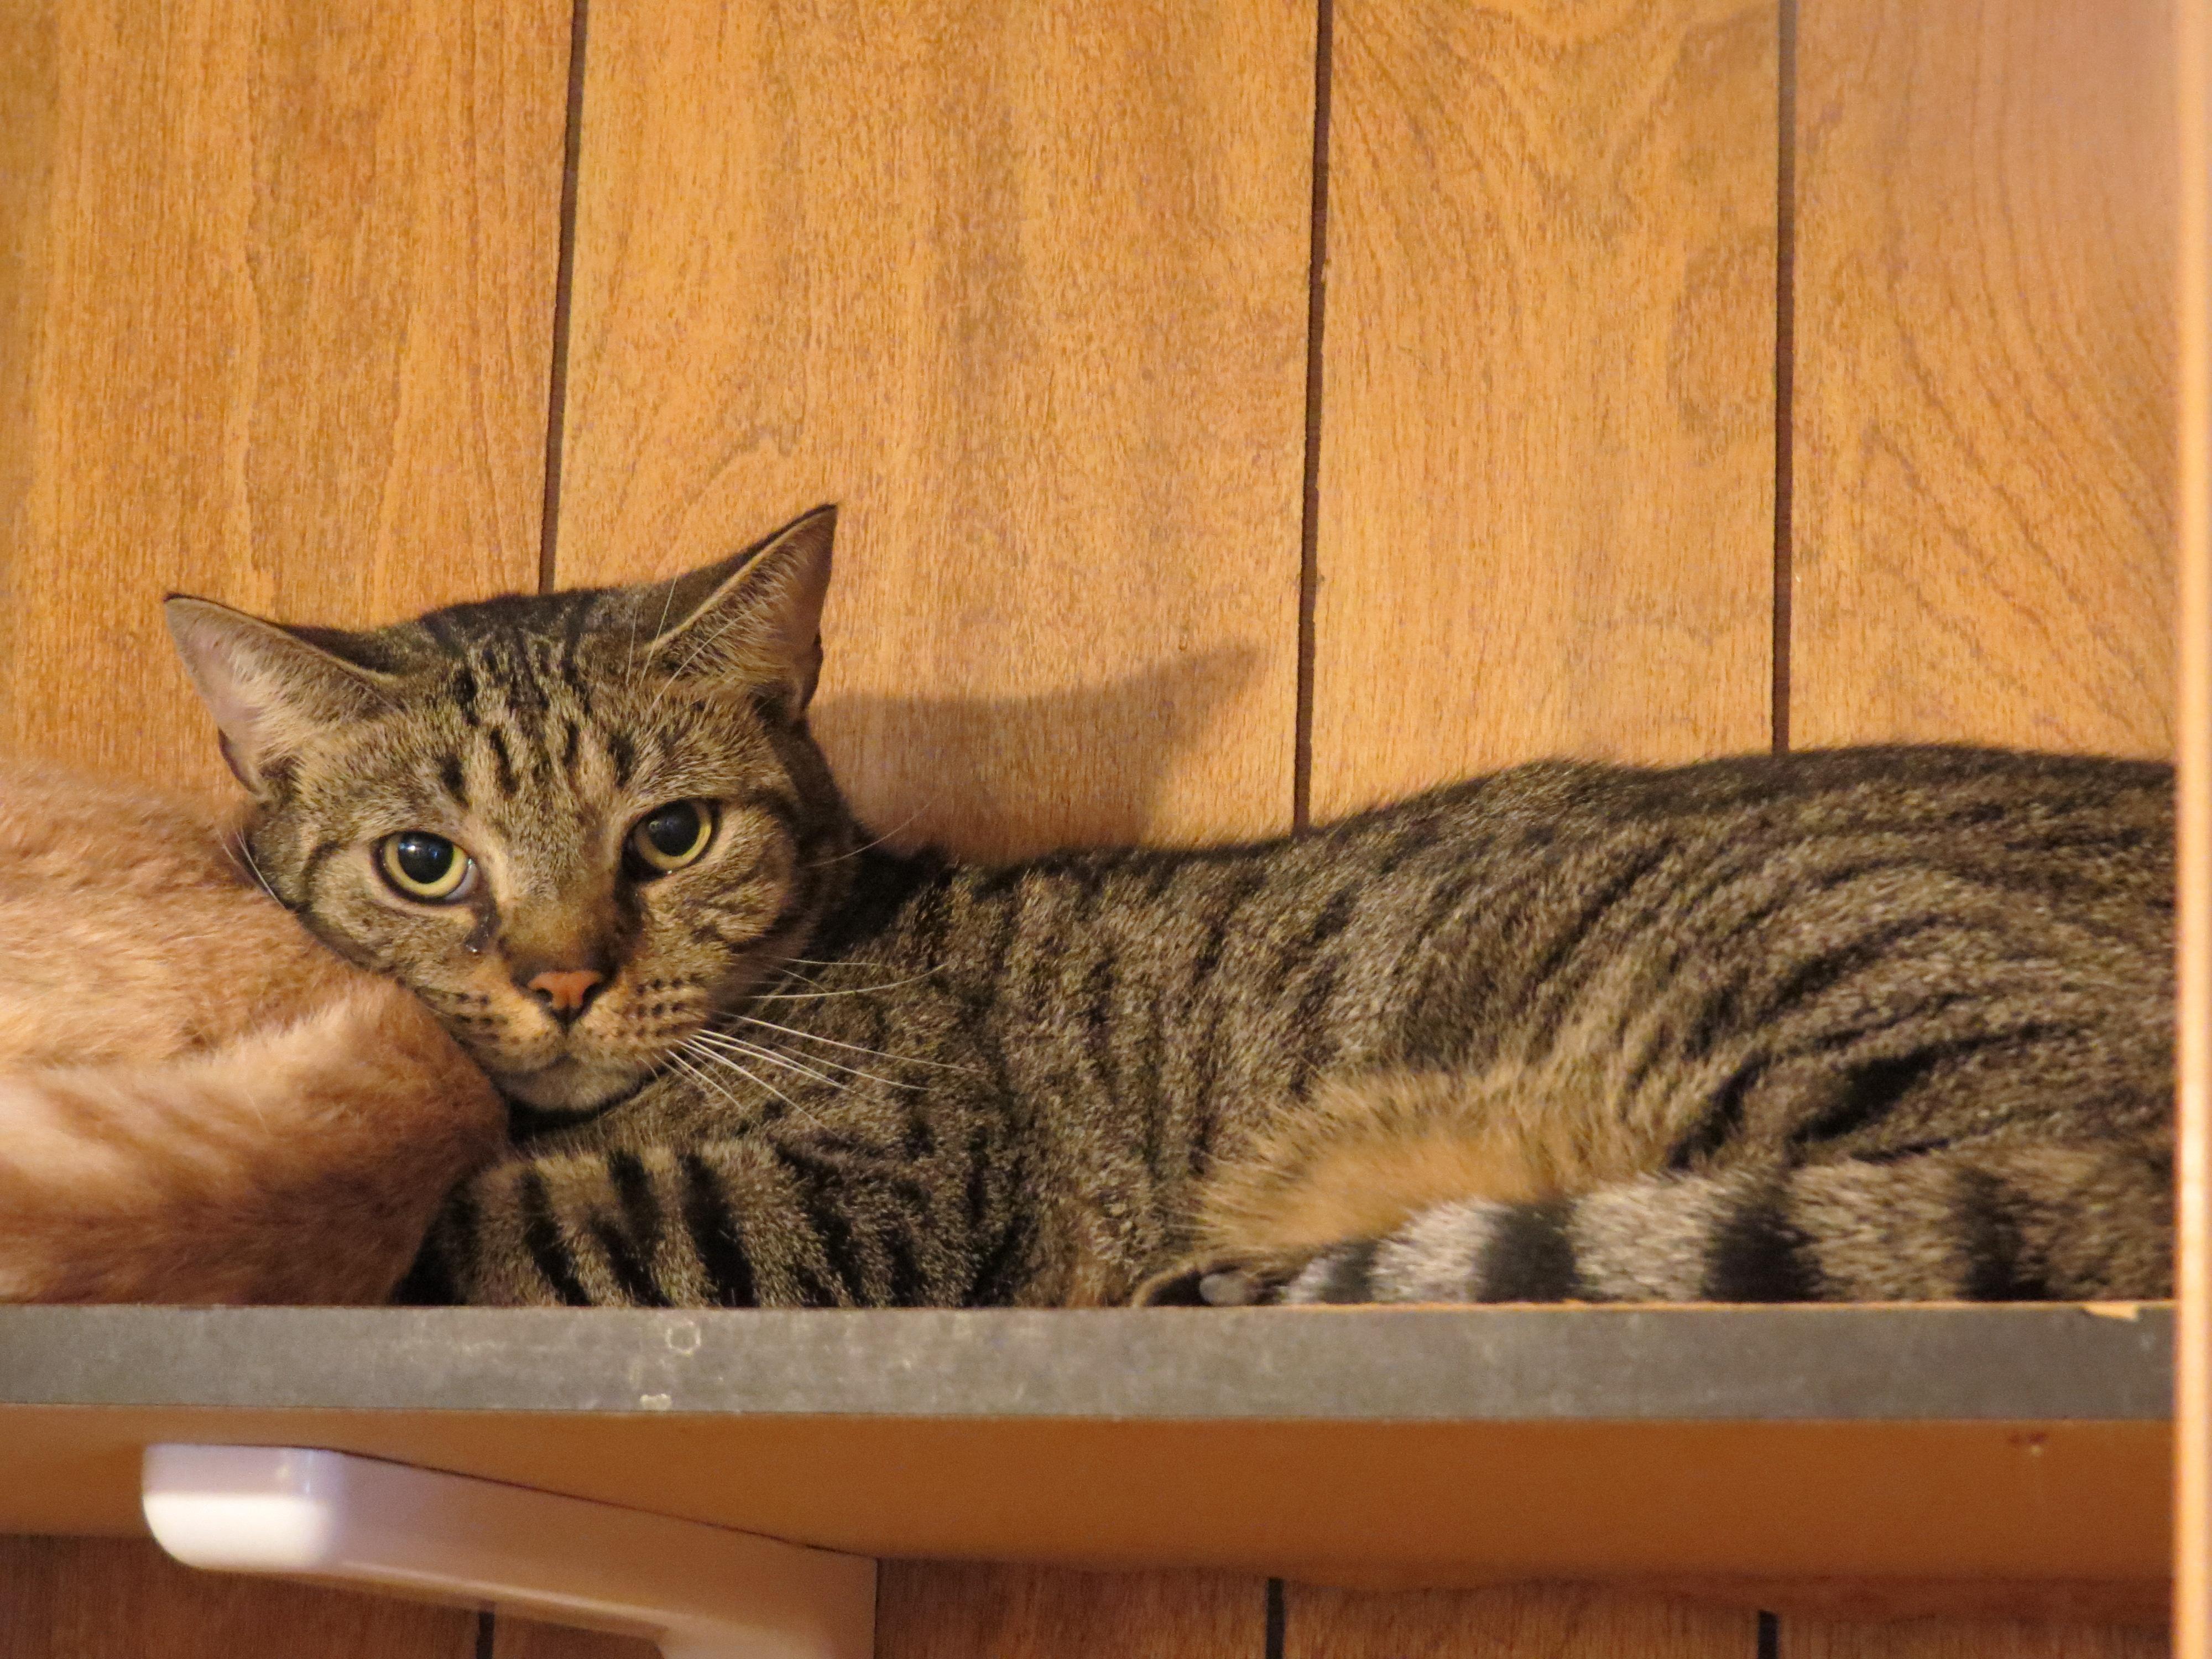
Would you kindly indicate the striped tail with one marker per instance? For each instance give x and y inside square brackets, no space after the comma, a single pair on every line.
[2011,1222]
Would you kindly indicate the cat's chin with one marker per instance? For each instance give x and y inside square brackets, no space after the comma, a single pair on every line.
[571,1086]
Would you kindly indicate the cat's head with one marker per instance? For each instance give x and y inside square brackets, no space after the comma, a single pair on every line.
[577,825]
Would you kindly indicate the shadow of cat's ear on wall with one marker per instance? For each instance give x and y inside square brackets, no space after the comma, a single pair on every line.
[998,777]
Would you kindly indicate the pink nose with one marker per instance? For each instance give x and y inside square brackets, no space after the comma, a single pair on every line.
[567,991]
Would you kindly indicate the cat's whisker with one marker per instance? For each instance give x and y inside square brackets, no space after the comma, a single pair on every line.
[706,1059]
[629,661]
[824,962]
[789,973]
[239,845]
[629,655]
[676,1058]
[791,964]
[766,1056]
[855,1047]
[723,1042]
[804,1062]
[706,1080]
[816,996]
[855,852]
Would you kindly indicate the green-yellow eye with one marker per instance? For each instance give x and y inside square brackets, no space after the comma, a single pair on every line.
[422,865]
[669,837]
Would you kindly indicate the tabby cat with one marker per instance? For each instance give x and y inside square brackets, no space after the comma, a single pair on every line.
[197,1102]
[1873,1024]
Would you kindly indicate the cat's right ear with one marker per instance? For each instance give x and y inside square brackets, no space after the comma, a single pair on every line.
[268,688]
[756,617]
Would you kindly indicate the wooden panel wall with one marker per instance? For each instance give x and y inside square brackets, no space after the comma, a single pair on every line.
[1546,475]
[277,301]
[2192,1448]
[113,1598]
[1023,289]
[943,1611]
[1946,1639]
[1027,289]
[1984,352]
[277,286]
[1547,416]
[526,1639]
[1530,1620]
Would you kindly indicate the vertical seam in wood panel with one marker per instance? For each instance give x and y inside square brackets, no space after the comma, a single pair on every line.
[1309,510]
[1785,345]
[1770,1637]
[549,529]
[556,401]
[1274,1628]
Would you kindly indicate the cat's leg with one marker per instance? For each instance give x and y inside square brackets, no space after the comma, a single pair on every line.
[733,1223]
[1986,1221]
[1371,1149]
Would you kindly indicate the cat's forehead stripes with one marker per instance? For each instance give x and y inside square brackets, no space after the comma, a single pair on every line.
[454,780]
[528,682]
[516,651]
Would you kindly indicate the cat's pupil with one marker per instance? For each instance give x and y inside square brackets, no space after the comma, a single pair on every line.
[422,859]
[674,830]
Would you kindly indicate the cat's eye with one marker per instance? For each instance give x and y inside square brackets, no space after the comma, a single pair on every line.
[424,867]
[669,837]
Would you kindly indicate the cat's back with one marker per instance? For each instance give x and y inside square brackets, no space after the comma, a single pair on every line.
[2061,830]
[1781,859]
[1485,916]
[1975,794]
[1495,878]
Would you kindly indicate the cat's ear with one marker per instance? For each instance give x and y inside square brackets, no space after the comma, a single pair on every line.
[268,688]
[756,617]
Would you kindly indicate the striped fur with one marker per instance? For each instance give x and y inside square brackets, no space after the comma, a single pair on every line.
[1880,1022]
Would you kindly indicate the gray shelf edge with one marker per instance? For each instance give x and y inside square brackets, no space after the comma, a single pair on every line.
[2019,1363]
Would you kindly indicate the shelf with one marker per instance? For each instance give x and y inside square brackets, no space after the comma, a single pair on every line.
[1426,1447]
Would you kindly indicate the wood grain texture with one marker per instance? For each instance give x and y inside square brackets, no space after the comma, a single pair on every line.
[275,315]
[1024,290]
[2192,1403]
[2142,1603]
[526,1639]
[1547,422]
[941,1611]
[1432,1503]
[106,1598]
[1946,1639]
[1984,440]
[1535,1621]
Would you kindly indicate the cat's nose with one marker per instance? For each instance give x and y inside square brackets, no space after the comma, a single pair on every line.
[565,991]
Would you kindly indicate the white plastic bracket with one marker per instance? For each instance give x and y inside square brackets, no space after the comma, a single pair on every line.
[702,1592]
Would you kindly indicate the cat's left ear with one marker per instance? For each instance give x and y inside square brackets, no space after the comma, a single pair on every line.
[270,689]
[756,617]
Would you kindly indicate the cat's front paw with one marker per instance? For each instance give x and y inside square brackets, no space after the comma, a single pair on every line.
[1219,1282]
